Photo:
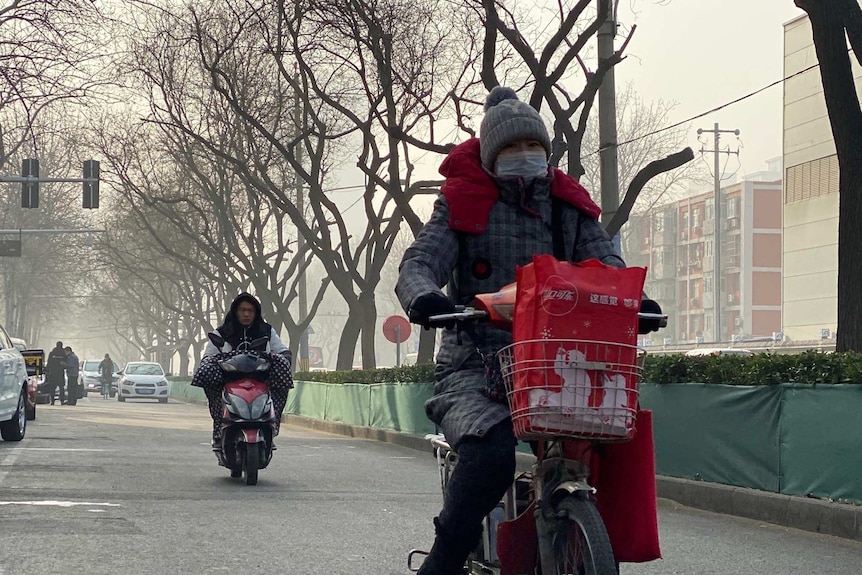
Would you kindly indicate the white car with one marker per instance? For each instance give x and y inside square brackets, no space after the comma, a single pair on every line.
[142,379]
[718,351]
[13,390]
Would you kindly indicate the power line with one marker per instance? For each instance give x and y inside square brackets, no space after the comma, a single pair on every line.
[702,114]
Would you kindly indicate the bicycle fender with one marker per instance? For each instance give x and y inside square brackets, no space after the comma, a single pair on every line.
[570,488]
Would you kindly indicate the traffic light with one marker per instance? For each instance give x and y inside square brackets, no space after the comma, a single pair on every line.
[30,190]
[91,189]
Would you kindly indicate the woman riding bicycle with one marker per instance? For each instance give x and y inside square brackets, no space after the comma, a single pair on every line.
[106,375]
[501,204]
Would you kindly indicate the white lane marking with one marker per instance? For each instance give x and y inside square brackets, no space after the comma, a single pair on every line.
[8,462]
[57,449]
[58,503]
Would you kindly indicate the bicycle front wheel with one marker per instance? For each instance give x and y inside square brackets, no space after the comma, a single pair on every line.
[581,545]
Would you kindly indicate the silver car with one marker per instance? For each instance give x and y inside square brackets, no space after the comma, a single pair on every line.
[13,390]
[142,379]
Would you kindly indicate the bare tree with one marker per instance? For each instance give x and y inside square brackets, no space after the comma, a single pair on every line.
[833,23]
[39,285]
[278,108]
[208,227]
[45,49]
[400,58]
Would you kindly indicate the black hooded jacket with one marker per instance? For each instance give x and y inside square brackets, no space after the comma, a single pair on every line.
[234,333]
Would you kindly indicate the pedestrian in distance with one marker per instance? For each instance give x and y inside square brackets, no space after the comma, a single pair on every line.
[106,374]
[72,367]
[55,373]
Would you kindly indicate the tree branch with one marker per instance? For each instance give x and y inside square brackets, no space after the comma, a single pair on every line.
[647,173]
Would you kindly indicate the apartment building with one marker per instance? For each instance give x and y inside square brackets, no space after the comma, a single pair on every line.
[676,243]
[810,309]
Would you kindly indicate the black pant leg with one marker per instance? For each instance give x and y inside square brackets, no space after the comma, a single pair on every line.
[485,470]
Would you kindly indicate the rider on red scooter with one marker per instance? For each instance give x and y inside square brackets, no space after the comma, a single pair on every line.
[243,324]
[501,205]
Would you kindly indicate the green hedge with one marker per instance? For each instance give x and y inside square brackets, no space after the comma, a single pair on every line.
[759,369]
[404,374]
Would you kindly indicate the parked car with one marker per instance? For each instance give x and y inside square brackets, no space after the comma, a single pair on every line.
[89,377]
[33,371]
[718,351]
[19,343]
[143,379]
[13,390]
[32,396]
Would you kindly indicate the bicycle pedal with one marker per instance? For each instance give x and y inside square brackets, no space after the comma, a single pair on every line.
[410,556]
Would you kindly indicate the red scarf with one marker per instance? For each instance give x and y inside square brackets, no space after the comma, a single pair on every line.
[471,193]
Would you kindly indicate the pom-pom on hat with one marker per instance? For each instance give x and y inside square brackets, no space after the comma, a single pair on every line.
[508,119]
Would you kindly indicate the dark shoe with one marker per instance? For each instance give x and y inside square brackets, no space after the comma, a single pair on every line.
[449,553]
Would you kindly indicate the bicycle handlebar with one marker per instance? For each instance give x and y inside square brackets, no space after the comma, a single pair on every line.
[471,314]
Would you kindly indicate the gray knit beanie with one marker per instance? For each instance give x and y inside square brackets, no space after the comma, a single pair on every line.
[508,119]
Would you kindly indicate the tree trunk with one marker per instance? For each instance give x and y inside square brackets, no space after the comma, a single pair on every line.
[184,360]
[828,20]
[198,351]
[347,342]
[368,309]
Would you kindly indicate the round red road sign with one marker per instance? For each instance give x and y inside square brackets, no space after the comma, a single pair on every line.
[396,329]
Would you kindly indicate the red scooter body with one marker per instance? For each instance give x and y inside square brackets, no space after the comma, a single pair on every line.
[248,426]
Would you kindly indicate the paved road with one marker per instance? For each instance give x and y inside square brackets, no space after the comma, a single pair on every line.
[132,489]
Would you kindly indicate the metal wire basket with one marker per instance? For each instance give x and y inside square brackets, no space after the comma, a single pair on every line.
[567,388]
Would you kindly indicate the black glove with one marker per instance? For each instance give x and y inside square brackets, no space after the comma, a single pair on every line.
[434,303]
[648,325]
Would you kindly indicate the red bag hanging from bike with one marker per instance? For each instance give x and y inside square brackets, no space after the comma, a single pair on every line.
[574,359]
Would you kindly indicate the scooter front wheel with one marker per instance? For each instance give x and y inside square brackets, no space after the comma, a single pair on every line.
[252,463]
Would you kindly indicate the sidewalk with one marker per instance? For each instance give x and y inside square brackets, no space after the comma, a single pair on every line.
[808,514]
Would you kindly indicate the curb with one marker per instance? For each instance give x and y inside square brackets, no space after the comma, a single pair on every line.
[808,514]
[805,513]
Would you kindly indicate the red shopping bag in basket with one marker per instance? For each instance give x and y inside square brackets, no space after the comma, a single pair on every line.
[574,355]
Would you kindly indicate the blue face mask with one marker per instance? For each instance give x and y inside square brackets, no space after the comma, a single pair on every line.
[528,164]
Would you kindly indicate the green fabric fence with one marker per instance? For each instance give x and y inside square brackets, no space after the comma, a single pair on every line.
[392,406]
[796,439]
[723,434]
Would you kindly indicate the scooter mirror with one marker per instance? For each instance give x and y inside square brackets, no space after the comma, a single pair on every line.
[216,339]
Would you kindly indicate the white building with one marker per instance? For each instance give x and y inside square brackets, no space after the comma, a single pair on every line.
[810,250]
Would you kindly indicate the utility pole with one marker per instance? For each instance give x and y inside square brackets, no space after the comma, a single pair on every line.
[716,248]
[302,289]
[608,169]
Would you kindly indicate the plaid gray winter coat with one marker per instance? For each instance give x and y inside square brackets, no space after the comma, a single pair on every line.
[518,227]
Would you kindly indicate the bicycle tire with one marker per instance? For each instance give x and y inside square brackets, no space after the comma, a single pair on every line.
[581,545]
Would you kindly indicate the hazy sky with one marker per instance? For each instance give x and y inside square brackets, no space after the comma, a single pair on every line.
[705,53]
